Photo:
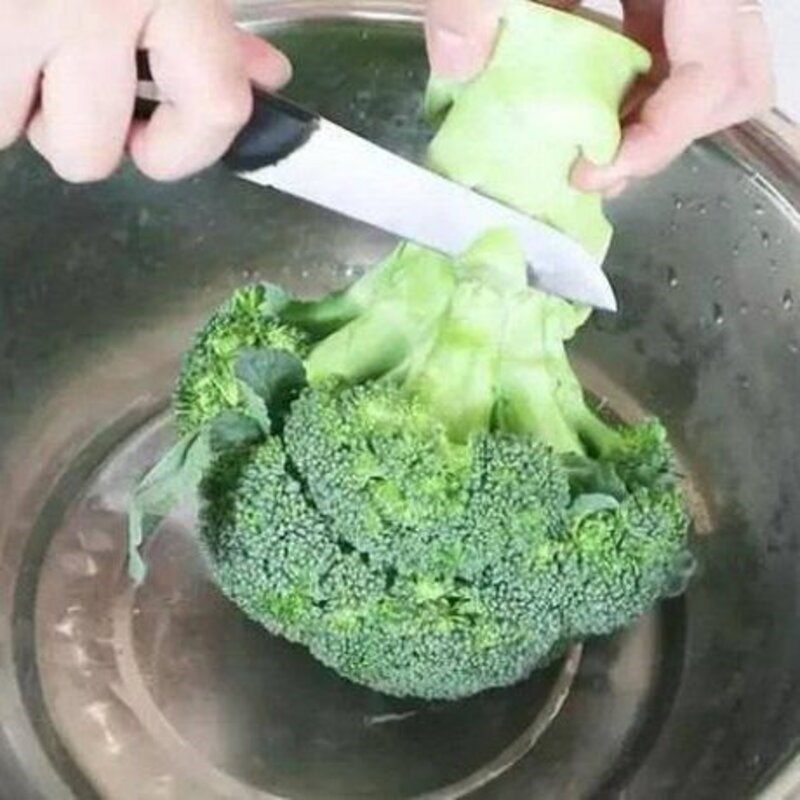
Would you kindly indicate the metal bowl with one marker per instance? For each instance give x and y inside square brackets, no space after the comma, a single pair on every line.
[168,692]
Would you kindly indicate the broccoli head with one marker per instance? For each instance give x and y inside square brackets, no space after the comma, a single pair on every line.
[442,515]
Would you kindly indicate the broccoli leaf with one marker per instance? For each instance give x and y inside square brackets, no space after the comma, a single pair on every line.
[233,430]
[270,380]
[173,478]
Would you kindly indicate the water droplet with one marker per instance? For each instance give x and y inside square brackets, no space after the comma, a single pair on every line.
[723,202]
[672,278]
[717,281]
[765,239]
[694,169]
[788,300]
[702,209]
[758,210]
[744,309]
[736,250]
[678,203]
[719,314]
[743,381]
[773,266]
[794,347]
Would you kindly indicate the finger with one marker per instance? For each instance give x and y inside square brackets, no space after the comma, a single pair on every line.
[22,51]
[677,114]
[460,35]
[197,63]
[616,189]
[265,65]
[19,85]
[87,95]
[757,84]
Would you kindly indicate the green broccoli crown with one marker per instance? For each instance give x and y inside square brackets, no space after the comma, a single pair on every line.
[440,510]
[421,566]
[207,384]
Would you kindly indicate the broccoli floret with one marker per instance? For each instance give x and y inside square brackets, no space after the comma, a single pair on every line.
[439,510]
[207,384]
[421,566]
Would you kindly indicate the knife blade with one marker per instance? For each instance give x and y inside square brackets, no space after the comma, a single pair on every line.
[293,150]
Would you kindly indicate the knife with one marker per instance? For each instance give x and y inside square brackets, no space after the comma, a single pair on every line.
[289,148]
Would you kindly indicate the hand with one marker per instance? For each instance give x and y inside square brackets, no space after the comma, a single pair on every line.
[68,80]
[711,70]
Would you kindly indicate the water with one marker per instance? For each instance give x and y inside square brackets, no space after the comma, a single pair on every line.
[672,278]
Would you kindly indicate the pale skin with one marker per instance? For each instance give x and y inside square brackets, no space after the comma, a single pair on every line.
[68,79]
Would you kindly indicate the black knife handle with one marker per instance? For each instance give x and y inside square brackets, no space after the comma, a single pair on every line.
[276,128]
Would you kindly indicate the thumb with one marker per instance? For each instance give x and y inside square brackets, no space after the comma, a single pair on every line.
[460,35]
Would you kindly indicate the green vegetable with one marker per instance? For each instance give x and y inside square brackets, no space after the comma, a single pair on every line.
[404,476]
[207,383]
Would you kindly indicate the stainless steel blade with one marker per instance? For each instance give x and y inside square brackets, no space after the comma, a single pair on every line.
[343,172]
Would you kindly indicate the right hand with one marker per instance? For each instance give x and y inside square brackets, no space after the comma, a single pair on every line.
[68,82]
[711,69]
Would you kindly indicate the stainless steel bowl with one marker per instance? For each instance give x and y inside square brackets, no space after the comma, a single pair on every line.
[168,692]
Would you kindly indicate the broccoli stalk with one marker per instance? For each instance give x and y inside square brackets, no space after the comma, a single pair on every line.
[473,342]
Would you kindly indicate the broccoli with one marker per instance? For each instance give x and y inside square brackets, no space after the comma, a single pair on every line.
[441,511]
[207,383]
[404,476]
